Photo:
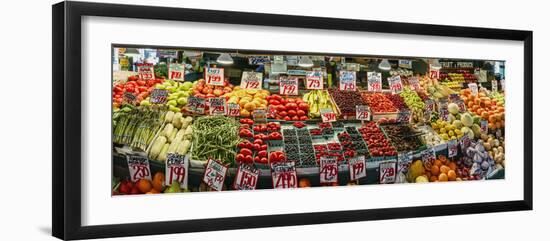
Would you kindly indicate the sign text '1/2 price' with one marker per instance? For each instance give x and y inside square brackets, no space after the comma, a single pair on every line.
[139,167]
[284,175]
[327,115]
[387,172]
[214,76]
[288,85]
[314,80]
[146,71]
[362,112]
[246,177]
[176,72]
[348,80]
[396,86]
[177,169]
[452,148]
[251,80]
[357,168]
[233,109]
[328,169]
[374,81]
[196,105]
[217,106]
[214,174]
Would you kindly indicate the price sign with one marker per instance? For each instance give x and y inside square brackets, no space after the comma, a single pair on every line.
[396,86]
[464,142]
[484,126]
[374,80]
[494,85]
[461,106]
[314,80]
[482,76]
[196,105]
[348,80]
[473,88]
[454,97]
[387,172]
[357,168]
[328,169]
[214,76]
[327,115]
[404,63]
[139,167]
[129,97]
[443,111]
[284,175]
[429,104]
[434,73]
[452,148]
[146,71]
[177,169]
[404,116]
[233,109]
[176,72]
[214,174]
[404,161]
[259,115]
[217,106]
[414,83]
[428,155]
[362,112]
[251,80]
[159,96]
[246,177]
[288,85]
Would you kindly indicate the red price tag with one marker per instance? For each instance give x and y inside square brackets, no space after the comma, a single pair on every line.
[388,172]
[214,174]
[214,76]
[314,80]
[288,85]
[374,81]
[139,167]
[233,109]
[246,177]
[176,72]
[357,168]
[177,168]
[327,115]
[362,112]
[217,106]
[396,86]
[348,80]
[284,175]
[328,169]
[145,71]
[251,80]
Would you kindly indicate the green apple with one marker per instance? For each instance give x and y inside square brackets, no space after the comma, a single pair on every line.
[172,103]
[182,101]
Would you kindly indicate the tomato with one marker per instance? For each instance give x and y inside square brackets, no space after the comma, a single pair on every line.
[303,106]
[303,118]
[262,154]
[274,102]
[142,89]
[140,82]
[286,118]
[263,160]
[118,89]
[240,158]
[282,113]
[248,159]
[300,113]
[291,113]
[258,141]
[256,147]
[130,88]
[281,108]
[263,147]
[256,159]
[291,101]
[291,106]
[276,97]
[295,118]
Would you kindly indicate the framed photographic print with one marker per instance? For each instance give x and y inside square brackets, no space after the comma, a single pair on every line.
[170,120]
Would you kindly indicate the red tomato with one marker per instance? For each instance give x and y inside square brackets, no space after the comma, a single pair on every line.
[303,118]
[303,106]
[118,89]
[142,89]
[295,118]
[130,88]
[291,113]
[300,113]
[286,118]
[140,83]
[282,113]
[281,108]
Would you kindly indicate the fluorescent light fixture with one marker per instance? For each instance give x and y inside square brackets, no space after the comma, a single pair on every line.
[435,64]
[384,65]
[132,52]
[305,62]
[224,58]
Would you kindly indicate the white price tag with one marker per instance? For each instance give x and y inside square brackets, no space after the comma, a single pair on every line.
[214,174]
[217,106]
[357,168]
[327,115]
[428,155]
[452,148]
[288,85]
[196,105]
[246,177]
[214,76]
[314,80]
[139,167]
[374,80]
[284,175]
[387,172]
[348,80]
[405,63]
[328,169]
[251,80]
[434,73]
[396,86]
[414,83]
[404,161]
[473,88]
[362,112]
[233,109]
[176,72]
[146,71]
[177,169]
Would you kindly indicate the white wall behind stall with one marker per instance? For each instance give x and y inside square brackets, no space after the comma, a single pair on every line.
[26,119]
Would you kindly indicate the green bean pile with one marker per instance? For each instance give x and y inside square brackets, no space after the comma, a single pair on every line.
[215,137]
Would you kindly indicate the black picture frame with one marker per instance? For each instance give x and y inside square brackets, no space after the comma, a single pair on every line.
[66,138]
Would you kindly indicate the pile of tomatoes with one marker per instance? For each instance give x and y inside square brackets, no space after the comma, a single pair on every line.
[135,86]
[288,109]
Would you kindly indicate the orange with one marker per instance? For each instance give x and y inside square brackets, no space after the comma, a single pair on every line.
[438,163]
[304,182]
[158,181]
[433,179]
[435,170]
[444,169]
[452,165]
[144,185]
[452,175]
[443,177]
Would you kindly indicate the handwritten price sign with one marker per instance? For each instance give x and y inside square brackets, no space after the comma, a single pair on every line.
[129,97]
[473,88]
[404,161]
[176,72]
[288,85]
[246,177]
[214,76]
[217,106]
[396,86]
[284,175]
[177,169]
[146,71]
[251,80]
[464,142]
[357,168]
[196,105]
[233,109]
[348,80]
[328,169]
[404,116]
[387,172]
[362,112]
[434,73]
[374,80]
[139,167]
[443,111]
[159,96]
[414,83]
[428,155]
[452,148]
[214,175]
[314,80]
[327,115]
[484,126]
[461,106]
